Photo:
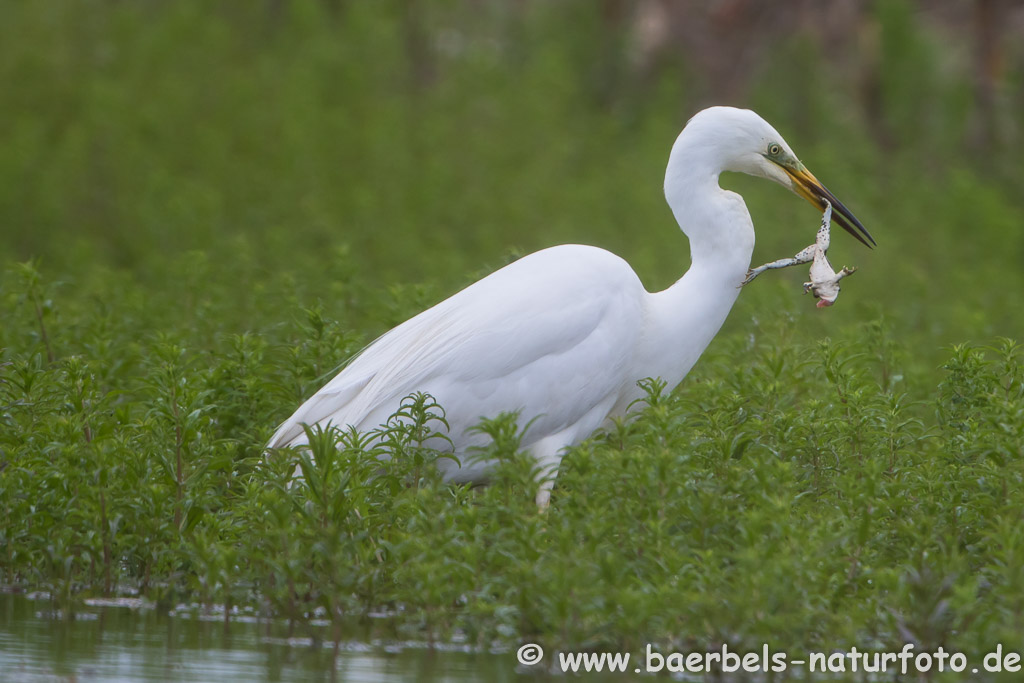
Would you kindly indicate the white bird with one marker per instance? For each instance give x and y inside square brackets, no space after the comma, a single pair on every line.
[562,336]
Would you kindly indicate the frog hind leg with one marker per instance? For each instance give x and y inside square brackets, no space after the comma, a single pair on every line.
[805,255]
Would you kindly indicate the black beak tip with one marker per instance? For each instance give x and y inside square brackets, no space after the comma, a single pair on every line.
[841,214]
[865,233]
[861,233]
[849,222]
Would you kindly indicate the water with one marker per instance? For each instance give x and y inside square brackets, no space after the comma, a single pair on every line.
[122,643]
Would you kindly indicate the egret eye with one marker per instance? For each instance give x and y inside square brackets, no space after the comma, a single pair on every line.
[774,149]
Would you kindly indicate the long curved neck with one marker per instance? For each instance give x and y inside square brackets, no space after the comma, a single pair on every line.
[716,222]
[683,319]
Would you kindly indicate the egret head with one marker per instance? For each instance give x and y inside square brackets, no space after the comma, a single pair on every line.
[740,140]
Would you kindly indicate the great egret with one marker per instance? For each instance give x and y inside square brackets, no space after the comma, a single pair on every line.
[562,336]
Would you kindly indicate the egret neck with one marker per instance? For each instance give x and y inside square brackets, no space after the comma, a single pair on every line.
[721,235]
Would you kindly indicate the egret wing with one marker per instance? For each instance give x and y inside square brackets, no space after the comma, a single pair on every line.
[547,336]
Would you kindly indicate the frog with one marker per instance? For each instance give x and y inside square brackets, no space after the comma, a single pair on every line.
[824,282]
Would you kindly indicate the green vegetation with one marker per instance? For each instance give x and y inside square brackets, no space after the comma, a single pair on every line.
[205,211]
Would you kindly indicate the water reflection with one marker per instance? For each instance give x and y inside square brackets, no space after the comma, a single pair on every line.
[114,643]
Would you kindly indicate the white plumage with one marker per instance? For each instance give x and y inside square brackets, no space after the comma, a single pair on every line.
[562,336]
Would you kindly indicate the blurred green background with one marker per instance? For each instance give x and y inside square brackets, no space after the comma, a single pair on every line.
[417,145]
[206,207]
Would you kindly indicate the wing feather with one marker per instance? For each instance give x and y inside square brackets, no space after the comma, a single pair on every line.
[556,328]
